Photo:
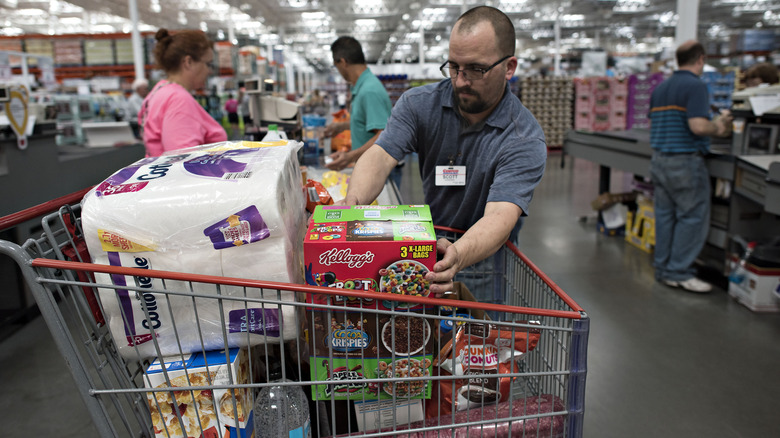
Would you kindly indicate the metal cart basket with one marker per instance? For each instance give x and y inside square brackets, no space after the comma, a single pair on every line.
[417,376]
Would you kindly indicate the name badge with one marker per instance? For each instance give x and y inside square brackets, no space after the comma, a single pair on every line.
[450,175]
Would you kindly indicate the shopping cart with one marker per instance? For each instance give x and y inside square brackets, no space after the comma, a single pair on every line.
[537,391]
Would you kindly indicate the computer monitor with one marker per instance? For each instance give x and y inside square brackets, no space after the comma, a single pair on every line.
[761,139]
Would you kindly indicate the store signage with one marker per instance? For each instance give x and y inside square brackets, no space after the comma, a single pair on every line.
[17,110]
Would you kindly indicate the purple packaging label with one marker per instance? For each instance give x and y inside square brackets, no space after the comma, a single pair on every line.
[123,295]
[218,164]
[258,321]
[240,228]
[126,173]
[105,188]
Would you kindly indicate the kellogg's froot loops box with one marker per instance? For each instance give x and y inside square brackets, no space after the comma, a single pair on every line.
[386,248]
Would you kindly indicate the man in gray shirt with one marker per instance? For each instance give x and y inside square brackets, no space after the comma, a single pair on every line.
[481,151]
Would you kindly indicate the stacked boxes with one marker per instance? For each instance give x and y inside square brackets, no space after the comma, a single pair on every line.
[600,104]
[754,40]
[550,101]
[313,130]
[720,87]
[383,248]
[396,85]
[640,87]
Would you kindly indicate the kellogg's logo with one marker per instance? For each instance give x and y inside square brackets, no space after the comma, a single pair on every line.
[345,256]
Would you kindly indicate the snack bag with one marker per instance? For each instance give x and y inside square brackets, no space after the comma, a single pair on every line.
[479,349]
[342,141]
[316,195]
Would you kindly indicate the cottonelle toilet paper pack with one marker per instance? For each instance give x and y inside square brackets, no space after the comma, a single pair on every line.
[225,209]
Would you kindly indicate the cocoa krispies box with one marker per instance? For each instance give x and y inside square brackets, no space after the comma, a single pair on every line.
[385,248]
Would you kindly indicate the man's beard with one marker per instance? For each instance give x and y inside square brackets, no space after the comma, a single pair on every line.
[475,106]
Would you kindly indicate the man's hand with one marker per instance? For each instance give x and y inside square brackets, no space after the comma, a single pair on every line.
[723,122]
[335,129]
[445,269]
[341,160]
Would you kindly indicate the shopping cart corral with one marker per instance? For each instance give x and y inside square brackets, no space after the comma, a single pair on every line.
[372,364]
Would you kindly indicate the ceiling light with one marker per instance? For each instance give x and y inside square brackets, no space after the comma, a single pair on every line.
[434,11]
[365,22]
[103,28]
[319,15]
[58,7]
[11,31]
[29,12]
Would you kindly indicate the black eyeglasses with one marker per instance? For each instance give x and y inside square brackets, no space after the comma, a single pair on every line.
[470,74]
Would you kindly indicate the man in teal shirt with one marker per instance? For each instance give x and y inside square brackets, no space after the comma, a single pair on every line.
[369,108]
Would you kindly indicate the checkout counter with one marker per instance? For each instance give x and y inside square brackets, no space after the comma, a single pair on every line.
[40,173]
[749,162]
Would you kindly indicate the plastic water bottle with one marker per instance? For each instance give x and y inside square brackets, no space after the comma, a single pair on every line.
[281,411]
[274,134]
[737,276]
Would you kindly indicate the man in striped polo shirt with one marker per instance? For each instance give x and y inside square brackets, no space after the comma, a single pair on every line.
[679,134]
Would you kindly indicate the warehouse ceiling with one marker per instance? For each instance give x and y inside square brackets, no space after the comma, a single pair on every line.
[392,30]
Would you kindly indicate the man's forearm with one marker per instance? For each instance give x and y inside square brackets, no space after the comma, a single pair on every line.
[487,235]
[369,176]
[355,154]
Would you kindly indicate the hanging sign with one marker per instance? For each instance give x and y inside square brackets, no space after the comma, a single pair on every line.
[17,110]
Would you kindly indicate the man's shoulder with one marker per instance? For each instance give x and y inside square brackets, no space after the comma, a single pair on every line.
[429,94]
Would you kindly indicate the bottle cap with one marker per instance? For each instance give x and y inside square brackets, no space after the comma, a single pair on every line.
[273,128]
[275,371]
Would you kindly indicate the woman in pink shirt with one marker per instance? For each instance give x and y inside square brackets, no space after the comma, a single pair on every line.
[171,118]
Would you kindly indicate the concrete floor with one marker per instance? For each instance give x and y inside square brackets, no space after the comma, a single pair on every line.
[662,362]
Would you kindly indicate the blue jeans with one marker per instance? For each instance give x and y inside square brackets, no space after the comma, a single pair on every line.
[682,213]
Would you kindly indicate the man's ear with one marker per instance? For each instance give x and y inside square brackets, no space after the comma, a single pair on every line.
[511,66]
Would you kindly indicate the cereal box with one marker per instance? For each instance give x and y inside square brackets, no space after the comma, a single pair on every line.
[204,413]
[388,249]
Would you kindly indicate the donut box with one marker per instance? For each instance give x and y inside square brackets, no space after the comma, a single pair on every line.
[386,248]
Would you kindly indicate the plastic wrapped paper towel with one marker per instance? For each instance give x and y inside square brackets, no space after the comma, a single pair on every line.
[225,209]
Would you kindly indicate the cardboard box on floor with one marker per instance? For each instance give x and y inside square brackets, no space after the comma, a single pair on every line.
[606,200]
